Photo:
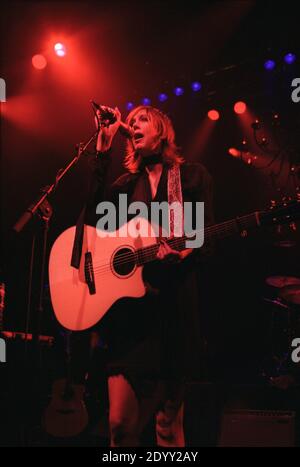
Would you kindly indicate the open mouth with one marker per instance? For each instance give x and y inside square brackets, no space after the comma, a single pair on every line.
[137,137]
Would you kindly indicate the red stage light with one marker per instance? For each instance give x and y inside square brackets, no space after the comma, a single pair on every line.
[213,115]
[234,152]
[60,49]
[39,62]
[240,107]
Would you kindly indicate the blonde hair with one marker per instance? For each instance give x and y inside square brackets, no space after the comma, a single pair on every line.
[165,135]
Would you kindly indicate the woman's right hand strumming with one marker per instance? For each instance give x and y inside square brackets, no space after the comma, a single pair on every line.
[107,133]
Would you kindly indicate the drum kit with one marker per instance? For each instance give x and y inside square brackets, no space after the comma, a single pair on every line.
[289,288]
[285,324]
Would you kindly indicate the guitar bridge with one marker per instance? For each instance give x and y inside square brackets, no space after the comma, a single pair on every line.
[89,273]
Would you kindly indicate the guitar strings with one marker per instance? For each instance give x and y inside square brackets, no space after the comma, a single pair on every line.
[210,230]
[146,253]
[150,249]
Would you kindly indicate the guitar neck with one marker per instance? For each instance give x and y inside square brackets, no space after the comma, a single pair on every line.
[213,232]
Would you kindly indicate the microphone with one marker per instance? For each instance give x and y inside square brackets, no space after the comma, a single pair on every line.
[110,117]
[106,115]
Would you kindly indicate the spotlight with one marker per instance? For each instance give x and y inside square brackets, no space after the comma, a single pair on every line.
[162,97]
[289,58]
[60,49]
[234,152]
[129,105]
[39,62]
[256,125]
[178,91]
[146,101]
[240,107]
[269,65]
[213,115]
[196,86]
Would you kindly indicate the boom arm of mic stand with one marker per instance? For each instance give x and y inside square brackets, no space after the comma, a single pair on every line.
[36,205]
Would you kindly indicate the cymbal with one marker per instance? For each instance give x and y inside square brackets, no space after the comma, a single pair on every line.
[291,293]
[276,302]
[285,244]
[282,281]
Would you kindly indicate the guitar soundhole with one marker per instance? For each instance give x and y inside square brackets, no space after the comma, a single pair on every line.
[124,261]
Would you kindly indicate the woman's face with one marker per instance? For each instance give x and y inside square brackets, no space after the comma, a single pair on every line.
[145,138]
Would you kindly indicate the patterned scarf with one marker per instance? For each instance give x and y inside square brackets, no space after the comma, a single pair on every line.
[175,196]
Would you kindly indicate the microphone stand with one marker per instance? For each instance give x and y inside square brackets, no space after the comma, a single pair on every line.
[42,209]
[37,205]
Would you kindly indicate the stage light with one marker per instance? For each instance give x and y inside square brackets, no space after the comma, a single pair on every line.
[178,91]
[196,86]
[39,62]
[162,97]
[246,156]
[239,107]
[213,115]
[269,65]
[60,49]
[146,101]
[129,105]
[234,152]
[289,58]
[58,46]
[256,125]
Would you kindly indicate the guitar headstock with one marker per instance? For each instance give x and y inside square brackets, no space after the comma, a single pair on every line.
[286,212]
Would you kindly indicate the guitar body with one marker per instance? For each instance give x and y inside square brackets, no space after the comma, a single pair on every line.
[78,306]
[66,415]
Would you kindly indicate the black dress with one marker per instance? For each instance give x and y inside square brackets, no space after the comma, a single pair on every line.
[157,336]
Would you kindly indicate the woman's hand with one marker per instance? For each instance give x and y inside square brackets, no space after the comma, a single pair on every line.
[167,255]
[107,133]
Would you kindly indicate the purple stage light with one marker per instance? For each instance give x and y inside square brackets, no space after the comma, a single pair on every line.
[269,65]
[129,105]
[196,86]
[289,58]
[162,97]
[178,91]
[146,101]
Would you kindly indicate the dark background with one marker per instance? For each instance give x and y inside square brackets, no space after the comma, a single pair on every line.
[122,51]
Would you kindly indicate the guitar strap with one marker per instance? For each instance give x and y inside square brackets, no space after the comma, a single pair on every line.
[175,201]
[78,240]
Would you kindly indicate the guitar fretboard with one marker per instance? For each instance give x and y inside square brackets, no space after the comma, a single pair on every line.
[217,231]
